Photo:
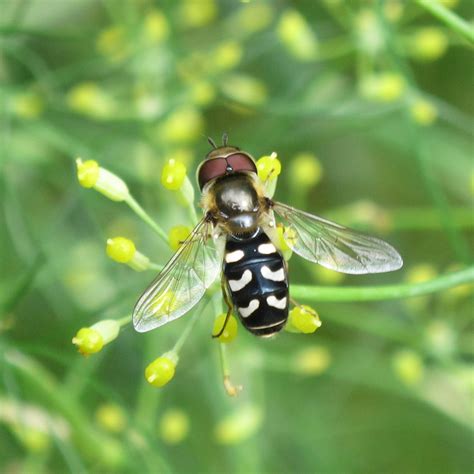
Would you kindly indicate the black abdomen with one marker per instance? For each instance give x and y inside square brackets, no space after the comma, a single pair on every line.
[257,281]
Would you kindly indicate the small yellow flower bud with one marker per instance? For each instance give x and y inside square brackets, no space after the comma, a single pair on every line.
[177,235]
[195,14]
[312,360]
[245,90]
[282,242]
[91,175]
[202,93]
[305,170]
[384,87]
[268,167]
[183,125]
[174,426]
[90,99]
[173,175]
[297,36]
[230,331]
[88,341]
[239,426]
[112,43]
[327,276]
[303,319]
[156,27]
[120,249]
[111,417]
[227,55]
[408,366]
[429,44]
[423,112]
[160,371]
[87,172]
[254,17]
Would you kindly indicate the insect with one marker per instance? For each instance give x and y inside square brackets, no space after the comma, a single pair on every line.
[237,238]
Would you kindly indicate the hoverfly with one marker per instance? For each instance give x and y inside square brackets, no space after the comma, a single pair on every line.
[236,237]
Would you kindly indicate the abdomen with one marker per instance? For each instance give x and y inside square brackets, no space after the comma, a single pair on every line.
[257,282]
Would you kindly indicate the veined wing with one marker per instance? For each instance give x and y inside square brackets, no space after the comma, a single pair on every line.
[334,246]
[181,283]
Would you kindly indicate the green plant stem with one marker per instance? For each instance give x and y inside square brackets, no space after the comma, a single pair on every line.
[378,293]
[449,18]
[187,331]
[146,218]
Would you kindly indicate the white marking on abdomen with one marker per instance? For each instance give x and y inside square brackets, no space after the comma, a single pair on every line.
[276,303]
[277,275]
[234,256]
[236,285]
[253,306]
[266,249]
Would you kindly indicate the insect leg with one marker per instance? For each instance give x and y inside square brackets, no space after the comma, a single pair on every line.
[229,305]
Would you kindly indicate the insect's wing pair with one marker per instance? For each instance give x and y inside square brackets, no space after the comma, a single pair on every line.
[185,278]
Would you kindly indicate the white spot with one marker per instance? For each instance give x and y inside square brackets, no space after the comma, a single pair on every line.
[246,312]
[236,285]
[266,249]
[234,256]
[277,275]
[276,303]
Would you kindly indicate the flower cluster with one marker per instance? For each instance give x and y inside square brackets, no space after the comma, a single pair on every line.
[174,178]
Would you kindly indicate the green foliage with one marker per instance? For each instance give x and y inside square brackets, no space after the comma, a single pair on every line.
[368,105]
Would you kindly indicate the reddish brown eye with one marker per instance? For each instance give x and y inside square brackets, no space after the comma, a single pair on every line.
[241,162]
[211,169]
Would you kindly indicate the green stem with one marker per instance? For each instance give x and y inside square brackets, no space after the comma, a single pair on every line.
[452,20]
[378,293]
[146,218]
[187,331]
[125,320]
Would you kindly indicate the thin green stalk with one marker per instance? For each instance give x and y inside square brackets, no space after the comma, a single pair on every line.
[146,218]
[378,293]
[187,331]
[456,23]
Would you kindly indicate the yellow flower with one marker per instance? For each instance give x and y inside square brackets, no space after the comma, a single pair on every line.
[384,87]
[90,99]
[156,26]
[408,366]
[202,93]
[123,250]
[254,17]
[305,170]
[174,426]
[325,275]
[244,89]
[197,13]
[227,55]
[303,319]
[182,125]
[92,339]
[239,426]
[173,175]
[423,112]
[91,175]
[429,44]
[177,235]
[370,36]
[161,370]
[111,417]
[297,36]
[269,167]
[313,360]
[230,331]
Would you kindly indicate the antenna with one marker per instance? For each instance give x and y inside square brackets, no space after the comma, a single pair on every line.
[212,142]
[225,139]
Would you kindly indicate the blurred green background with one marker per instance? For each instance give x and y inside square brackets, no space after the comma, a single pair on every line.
[368,105]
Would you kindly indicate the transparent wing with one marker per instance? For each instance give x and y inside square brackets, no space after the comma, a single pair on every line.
[181,283]
[333,246]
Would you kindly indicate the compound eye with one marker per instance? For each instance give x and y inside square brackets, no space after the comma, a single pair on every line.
[241,162]
[210,169]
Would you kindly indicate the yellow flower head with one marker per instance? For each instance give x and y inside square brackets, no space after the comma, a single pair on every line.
[297,36]
[174,426]
[182,126]
[423,112]
[120,249]
[230,331]
[429,44]
[111,417]
[173,175]
[88,341]
[305,170]
[28,105]
[239,426]
[177,235]
[384,87]
[269,167]
[303,319]
[227,55]
[408,366]
[87,172]
[198,13]
[160,371]
[312,361]
[156,26]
